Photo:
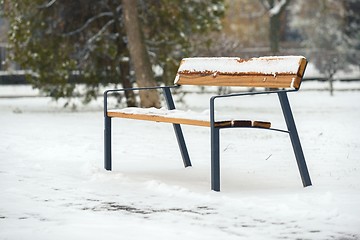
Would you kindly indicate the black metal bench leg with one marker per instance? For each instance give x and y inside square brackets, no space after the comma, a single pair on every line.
[182,145]
[177,128]
[289,119]
[215,159]
[107,143]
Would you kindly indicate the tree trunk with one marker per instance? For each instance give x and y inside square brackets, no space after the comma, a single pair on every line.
[274,33]
[125,81]
[139,55]
[123,63]
[276,9]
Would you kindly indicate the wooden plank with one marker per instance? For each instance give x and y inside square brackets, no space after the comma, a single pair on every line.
[280,81]
[233,123]
[157,118]
[302,67]
[223,124]
[242,123]
[268,72]
[187,121]
[261,124]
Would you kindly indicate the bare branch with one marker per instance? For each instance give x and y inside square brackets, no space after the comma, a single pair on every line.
[46,5]
[278,7]
[252,15]
[100,32]
[84,54]
[88,22]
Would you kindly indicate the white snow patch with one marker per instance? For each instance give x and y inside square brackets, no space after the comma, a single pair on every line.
[277,7]
[175,113]
[263,65]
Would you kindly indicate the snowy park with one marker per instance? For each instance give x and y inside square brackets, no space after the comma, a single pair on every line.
[77,162]
[54,185]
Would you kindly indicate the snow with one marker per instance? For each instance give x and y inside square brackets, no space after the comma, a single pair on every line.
[234,65]
[53,185]
[277,7]
[175,113]
[163,112]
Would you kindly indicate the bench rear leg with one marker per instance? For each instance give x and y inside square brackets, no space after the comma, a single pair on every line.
[182,145]
[107,143]
[215,159]
[289,119]
[177,128]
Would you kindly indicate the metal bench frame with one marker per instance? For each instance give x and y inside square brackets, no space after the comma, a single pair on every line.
[215,132]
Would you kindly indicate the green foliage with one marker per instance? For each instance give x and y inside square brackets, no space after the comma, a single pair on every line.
[170,24]
[69,41]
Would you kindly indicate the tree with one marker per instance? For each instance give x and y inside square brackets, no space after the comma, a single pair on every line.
[330,31]
[275,9]
[139,54]
[69,41]
[64,42]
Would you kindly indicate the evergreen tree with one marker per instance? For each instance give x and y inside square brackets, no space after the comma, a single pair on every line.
[68,41]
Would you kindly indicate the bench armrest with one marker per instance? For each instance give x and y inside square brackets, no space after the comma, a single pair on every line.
[133,89]
[212,99]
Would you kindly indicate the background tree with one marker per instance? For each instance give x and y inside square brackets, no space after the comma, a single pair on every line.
[331,33]
[86,41]
[275,9]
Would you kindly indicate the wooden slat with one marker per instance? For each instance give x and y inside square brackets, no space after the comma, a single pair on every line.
[242,123]
[280,81]
[268,72]
[261,124]
[186,121]
[223,124]
[233,123]
[302,67]
[157,118]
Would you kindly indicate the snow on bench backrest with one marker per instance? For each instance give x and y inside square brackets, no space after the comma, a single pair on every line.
[268,72]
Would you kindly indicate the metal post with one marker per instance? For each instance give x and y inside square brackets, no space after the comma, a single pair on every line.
[107,143]
[177,129]
[215,159]
[107,136]
[215,152]
[289,119]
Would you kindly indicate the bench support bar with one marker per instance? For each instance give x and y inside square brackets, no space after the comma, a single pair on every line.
[215,159]
[107,143]
[289,119]
[177,128]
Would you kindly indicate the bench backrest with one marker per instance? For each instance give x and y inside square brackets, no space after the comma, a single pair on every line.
[268,72]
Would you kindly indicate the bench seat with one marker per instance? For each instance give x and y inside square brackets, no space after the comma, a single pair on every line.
[187,117]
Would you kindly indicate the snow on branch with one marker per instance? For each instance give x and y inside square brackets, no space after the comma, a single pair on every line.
[278,7]
[46,5]
[275,7]
[101,31]
[88,22]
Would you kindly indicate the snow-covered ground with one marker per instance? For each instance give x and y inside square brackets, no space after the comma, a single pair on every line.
[53,185]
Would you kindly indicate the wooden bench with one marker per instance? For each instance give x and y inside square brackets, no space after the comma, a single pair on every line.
[279,74]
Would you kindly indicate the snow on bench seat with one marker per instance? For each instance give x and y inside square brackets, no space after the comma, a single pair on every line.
[181,117]
[163,115]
